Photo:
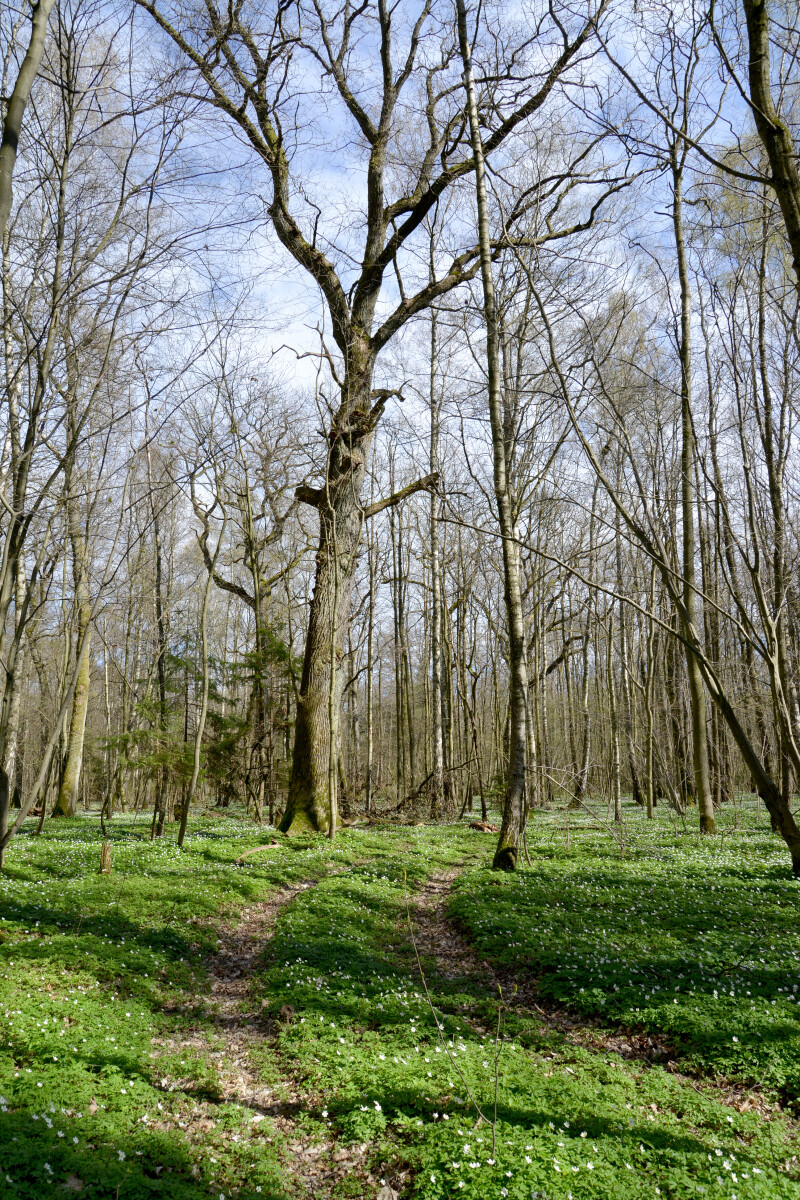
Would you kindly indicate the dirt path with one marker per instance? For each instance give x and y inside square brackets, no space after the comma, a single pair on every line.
[230,972]
[436,936]
[440,939]
[239,1034]
[236,1034]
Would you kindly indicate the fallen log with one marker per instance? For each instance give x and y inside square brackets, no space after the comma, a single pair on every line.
[257,849]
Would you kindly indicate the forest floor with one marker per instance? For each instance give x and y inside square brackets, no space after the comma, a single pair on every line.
[386,1017]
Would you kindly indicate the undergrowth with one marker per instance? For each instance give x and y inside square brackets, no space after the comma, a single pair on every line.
[696,938]
[102,974]
[96,972]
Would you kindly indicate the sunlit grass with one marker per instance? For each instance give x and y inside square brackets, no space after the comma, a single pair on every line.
[695,937]
[100,971]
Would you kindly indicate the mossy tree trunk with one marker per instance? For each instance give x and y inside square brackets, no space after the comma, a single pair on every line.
[340,519]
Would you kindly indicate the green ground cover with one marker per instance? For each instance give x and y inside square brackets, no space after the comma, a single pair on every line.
[570,1122]
[95,968]
[697,938]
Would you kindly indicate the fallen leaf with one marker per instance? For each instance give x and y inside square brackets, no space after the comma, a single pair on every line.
[93,1106]
[73,1184]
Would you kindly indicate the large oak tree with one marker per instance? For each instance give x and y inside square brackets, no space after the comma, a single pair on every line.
[379,86]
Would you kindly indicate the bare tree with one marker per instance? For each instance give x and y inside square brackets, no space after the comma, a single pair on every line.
[247,72]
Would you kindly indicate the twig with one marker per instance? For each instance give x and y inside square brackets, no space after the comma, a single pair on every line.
[736,965]
[257,850]
[419,790]
[525,844]
[612,829]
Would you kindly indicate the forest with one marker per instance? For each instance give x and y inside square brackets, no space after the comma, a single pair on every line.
[400,599]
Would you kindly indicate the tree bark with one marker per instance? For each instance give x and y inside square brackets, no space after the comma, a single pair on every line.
[16,105]
[697,698]
[773,131]
[67,801]
[437,698]
[514,808]
[341,519]
[616,782]
[160,806]
[370,772]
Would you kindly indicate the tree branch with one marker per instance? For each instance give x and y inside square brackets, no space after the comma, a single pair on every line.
[428,484]
[308,495]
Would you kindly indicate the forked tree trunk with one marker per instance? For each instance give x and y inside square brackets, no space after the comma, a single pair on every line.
[311,804]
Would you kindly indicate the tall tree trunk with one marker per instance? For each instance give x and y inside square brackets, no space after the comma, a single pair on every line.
[160,805]
[11,772]
[649,704]
[625,684]
[16,105]
[773,131]
[258,732]
[616,782]
[697,696]
[437,698]
[67,801]
[401,779]
[407,690]
[514,808]
[341,519]
[201,719]
[369,783]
